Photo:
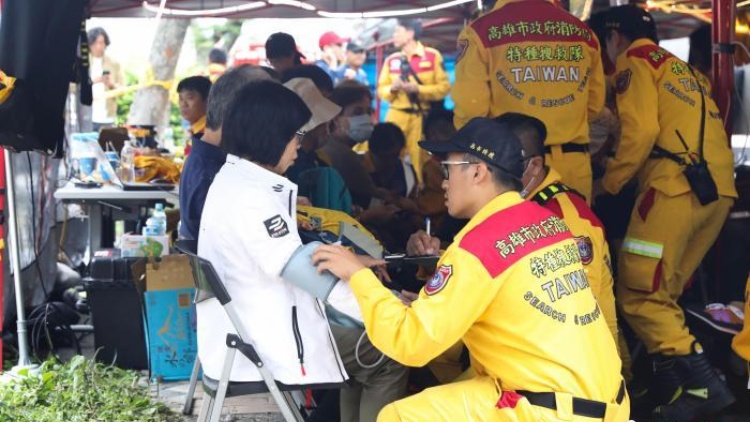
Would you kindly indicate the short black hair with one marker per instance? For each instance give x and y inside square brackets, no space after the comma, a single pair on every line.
[281,44]
[217,55]
[223,91]
[261,120]
[94,33]
[386,137]
[320,77]
[438,117]
[349,92]
[199,84]
[530,131]
[597,22]
[412,25]
[505,179]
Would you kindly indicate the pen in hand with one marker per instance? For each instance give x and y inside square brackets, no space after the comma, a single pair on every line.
[427,223]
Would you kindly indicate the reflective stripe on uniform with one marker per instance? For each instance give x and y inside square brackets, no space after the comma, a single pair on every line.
[643,248]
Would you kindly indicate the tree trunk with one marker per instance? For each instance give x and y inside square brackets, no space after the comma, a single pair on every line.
[151,104]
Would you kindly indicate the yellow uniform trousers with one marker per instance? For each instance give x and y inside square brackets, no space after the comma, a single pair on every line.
[667,238]
[574,168]
[411,124]
[477,400]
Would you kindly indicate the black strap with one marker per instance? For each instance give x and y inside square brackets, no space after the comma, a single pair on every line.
[566,148]
[581,407]
[659,152]
[550,191]
[407,70]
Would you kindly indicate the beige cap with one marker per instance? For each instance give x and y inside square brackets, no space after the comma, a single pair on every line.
[323,110]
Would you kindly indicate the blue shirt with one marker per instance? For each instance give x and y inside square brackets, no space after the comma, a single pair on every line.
[361,76]
[198,173]
[331,72]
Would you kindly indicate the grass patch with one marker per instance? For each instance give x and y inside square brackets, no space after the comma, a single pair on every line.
[77,391]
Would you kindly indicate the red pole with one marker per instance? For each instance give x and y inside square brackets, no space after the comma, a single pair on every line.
[2,237]
[723,63]
[378,67]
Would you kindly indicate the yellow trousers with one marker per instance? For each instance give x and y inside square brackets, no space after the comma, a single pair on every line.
[741,342]
[411,125]
[476,400]
[666,240]
[575,169]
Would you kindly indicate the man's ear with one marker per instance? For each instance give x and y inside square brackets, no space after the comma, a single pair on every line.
[482,172]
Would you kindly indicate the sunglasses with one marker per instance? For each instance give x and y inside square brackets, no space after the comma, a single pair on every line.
[445,166]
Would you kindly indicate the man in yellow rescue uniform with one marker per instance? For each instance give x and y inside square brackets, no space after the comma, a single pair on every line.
[511,286]
[531,57]
[543,185]
[410,80]
[673,141]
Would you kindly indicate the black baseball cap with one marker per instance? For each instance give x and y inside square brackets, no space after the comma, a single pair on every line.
[632,21]
[492,142]
[354,47]
[281,44]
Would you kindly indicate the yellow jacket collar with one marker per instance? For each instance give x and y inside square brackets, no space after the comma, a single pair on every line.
[552,177]
[499,203]
[640,42]
[199,126]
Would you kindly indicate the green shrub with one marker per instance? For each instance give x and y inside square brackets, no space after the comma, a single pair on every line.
[79,391]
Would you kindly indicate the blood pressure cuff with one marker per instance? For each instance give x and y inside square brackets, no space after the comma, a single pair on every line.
[300,272]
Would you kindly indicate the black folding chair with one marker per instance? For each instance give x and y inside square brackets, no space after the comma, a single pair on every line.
[209,286]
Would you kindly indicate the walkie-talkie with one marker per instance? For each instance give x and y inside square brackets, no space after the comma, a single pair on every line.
[405,71]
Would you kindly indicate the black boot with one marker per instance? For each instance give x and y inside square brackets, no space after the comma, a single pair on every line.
[702,390]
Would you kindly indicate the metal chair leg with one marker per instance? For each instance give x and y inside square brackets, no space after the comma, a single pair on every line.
[205,408]
[292,404]
[221,391]
[187,409]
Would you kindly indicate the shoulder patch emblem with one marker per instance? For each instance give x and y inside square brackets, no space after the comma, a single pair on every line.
[276,227]
[585,249]
[622,81]
[439,280]
[463,45]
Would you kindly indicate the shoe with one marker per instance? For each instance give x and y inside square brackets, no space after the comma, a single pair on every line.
[725,318]
[702,393]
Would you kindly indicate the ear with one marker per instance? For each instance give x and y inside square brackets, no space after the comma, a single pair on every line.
[482,173]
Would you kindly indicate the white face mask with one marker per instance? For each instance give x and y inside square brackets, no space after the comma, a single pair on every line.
[360,127]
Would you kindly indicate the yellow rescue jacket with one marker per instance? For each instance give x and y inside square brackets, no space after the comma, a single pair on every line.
[656,96]
[530,57]
[427,63]
[588,232]
[513,288]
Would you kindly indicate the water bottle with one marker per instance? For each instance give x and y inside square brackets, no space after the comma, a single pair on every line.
[127,163]
[160,219]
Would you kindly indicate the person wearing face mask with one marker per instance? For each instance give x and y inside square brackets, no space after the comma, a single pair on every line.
[543,185]
[511,286]
[351,127]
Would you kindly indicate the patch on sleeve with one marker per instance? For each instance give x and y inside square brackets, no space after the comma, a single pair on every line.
[585,249]
[622,81]
[276,227]
[463,45]
[439,280]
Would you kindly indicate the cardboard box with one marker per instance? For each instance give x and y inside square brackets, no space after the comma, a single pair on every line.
[134,245]
[171,333]
[169,315]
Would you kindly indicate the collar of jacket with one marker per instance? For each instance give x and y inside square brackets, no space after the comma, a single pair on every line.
[260,174]
[640,42]
[419,52]
[501,3]
[552,177]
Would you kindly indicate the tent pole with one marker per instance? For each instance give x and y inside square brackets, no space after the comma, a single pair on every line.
[723,61]
[15,261]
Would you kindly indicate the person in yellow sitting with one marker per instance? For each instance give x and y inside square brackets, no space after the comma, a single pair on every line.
[511,286]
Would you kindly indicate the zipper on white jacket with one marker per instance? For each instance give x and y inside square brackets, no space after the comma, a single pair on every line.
[298,340]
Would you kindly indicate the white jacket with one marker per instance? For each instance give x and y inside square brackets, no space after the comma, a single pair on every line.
[248,231]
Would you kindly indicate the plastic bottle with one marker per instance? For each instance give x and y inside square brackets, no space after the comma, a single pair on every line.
[160,219]
[127,163]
